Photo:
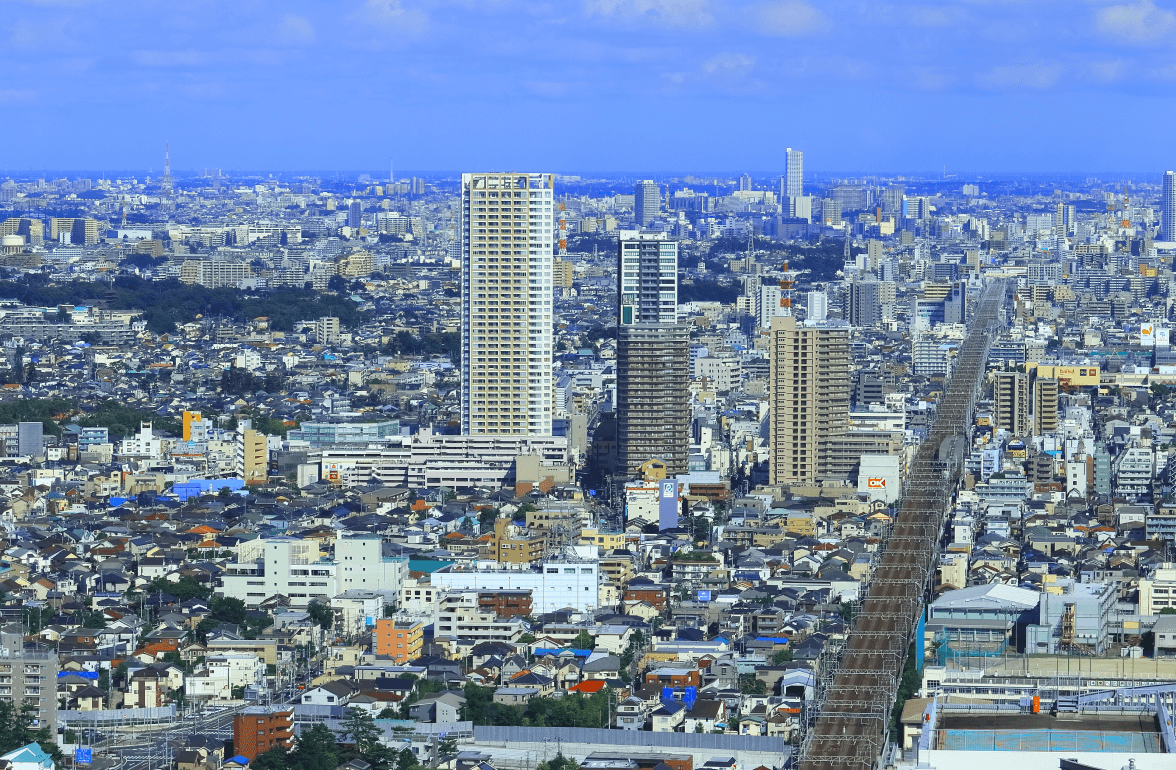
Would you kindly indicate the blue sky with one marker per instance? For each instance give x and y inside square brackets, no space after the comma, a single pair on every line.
[590,85]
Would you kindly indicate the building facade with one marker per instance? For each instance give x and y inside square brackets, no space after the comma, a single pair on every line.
[1168,208]
[506,321]
[810,389]
[646,202]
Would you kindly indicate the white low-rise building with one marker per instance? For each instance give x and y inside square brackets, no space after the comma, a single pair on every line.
[225,672]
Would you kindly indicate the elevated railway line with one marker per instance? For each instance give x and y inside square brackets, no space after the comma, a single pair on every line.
[846,726]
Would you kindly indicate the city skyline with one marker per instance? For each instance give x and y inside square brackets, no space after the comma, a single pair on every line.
[905,85]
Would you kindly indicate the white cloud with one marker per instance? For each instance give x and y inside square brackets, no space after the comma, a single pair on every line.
[296,30]
[728,64]
[1106,71]
[1039,76]
[929,79]
[1139,23]
[677,13]
[393,15]
[788,19]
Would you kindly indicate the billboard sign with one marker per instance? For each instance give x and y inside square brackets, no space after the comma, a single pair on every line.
[667,504]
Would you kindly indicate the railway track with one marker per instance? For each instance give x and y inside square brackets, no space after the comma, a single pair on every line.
[848,722]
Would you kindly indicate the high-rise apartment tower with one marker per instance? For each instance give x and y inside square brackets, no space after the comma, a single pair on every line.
[793,174]
[646,202]
[1168,208]
[653,356]
[810,389]
[506,294]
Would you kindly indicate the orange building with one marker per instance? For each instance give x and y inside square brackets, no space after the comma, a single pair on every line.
[257,729]
[399,640]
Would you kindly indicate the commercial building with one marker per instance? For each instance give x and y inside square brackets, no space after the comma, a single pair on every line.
[257,729]
[332,434]
[809,402]
[286,566]
[1073,616]
[429,460]
[506,296]
[79,232]
[646,202]
[225,672]
[556,583]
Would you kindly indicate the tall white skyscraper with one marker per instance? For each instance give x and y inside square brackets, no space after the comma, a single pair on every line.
[1168,208]
[793,174]
[506,292]
[646,202]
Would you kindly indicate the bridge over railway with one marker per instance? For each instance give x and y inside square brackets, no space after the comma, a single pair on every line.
[846,726]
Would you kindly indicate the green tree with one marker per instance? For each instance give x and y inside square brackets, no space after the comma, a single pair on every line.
[584,641]
[16,730]
[361,728]
[315,749]
[321,614]
[183,589]
[560,762]
[227,609]
[274,759]
[907,687]
[781,657]
[749,684]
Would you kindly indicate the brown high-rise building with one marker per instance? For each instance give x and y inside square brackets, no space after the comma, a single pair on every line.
[810,387]
[653,397]
[258,729]
[1010,399]
[1045,405]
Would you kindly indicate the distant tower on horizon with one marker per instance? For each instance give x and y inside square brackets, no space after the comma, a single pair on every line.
[745,183]
[1168,208]
[793,173]
[646,202]
[165,185]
